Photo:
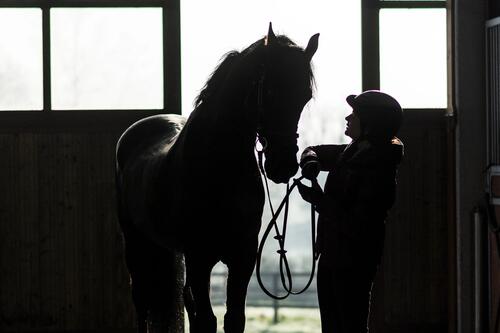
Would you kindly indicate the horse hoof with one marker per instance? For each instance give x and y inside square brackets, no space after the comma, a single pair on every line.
[205,325]
[234,323]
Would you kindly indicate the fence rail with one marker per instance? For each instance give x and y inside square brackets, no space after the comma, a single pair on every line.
[257,298]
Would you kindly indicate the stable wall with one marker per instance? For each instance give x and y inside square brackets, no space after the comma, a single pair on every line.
[411,289]
[60,246]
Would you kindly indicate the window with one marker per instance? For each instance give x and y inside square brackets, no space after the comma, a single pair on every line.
[83,55]
[21,74]
[413,56]
[106,58]
[406,51]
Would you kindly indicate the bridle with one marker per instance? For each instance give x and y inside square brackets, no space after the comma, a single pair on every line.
[261,131]
[285,273]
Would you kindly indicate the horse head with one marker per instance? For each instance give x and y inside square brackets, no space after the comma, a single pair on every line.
[273,80]
[284,88]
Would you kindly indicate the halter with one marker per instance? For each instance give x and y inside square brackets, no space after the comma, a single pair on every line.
[261,111]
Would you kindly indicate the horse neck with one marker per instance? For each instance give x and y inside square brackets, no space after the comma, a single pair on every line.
[221,130]
[235,127]
[232,120]
[225,119]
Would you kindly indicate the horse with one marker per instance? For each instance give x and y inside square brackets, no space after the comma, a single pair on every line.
[194,186]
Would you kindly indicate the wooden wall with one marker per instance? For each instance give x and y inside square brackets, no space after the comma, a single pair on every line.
[61,257]
[411,291]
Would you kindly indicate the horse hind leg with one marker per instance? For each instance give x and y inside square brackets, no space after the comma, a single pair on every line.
[155,275]
[133,252]
[202,319]
[141,308]
[166,311]
[164,294]
[154,282]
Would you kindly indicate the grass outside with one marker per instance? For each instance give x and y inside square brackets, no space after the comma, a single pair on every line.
[260,320]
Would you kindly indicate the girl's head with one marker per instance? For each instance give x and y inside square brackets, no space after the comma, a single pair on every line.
[376,116]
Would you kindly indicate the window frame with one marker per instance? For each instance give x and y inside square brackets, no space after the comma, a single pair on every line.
[370,40]
[48,118]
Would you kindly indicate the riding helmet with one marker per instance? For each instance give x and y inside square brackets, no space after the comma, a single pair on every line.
[380,114]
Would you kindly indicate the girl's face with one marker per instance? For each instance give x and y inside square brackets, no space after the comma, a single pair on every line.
[353,127]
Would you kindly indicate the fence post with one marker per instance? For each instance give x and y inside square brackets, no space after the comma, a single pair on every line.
[275,301]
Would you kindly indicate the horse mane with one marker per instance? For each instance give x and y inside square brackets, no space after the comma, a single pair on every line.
[217,76]
[230,59]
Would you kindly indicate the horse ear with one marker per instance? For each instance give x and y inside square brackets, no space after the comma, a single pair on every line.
[312,46]
[271,37]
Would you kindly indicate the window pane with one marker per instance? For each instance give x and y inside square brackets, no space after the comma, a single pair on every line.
[413,56]
[21,59]
[107,58]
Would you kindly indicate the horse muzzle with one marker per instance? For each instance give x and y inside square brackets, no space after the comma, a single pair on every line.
[280,172]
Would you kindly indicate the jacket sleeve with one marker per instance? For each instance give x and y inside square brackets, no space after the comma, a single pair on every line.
[326,155]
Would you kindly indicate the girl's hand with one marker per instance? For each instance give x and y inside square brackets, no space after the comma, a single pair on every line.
[312,194]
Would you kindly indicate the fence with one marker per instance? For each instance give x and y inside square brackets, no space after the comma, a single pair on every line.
[257,298]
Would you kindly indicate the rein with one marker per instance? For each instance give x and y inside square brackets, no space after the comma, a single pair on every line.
[285,274]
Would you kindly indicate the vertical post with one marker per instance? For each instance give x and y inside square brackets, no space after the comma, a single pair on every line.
[370,57]
[275,301]
[172,57]
[469,69]
[47,98]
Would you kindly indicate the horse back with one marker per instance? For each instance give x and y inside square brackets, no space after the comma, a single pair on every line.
[144,134]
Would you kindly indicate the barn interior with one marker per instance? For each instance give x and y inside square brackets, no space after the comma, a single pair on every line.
[61,254]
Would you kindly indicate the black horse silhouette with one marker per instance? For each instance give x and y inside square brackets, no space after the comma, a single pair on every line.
[194,186]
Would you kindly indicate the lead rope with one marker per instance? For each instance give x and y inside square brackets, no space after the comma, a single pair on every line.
[285,274]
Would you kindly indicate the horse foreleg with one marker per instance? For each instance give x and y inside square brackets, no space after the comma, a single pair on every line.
[240,271]
[189,304]
[198,281]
